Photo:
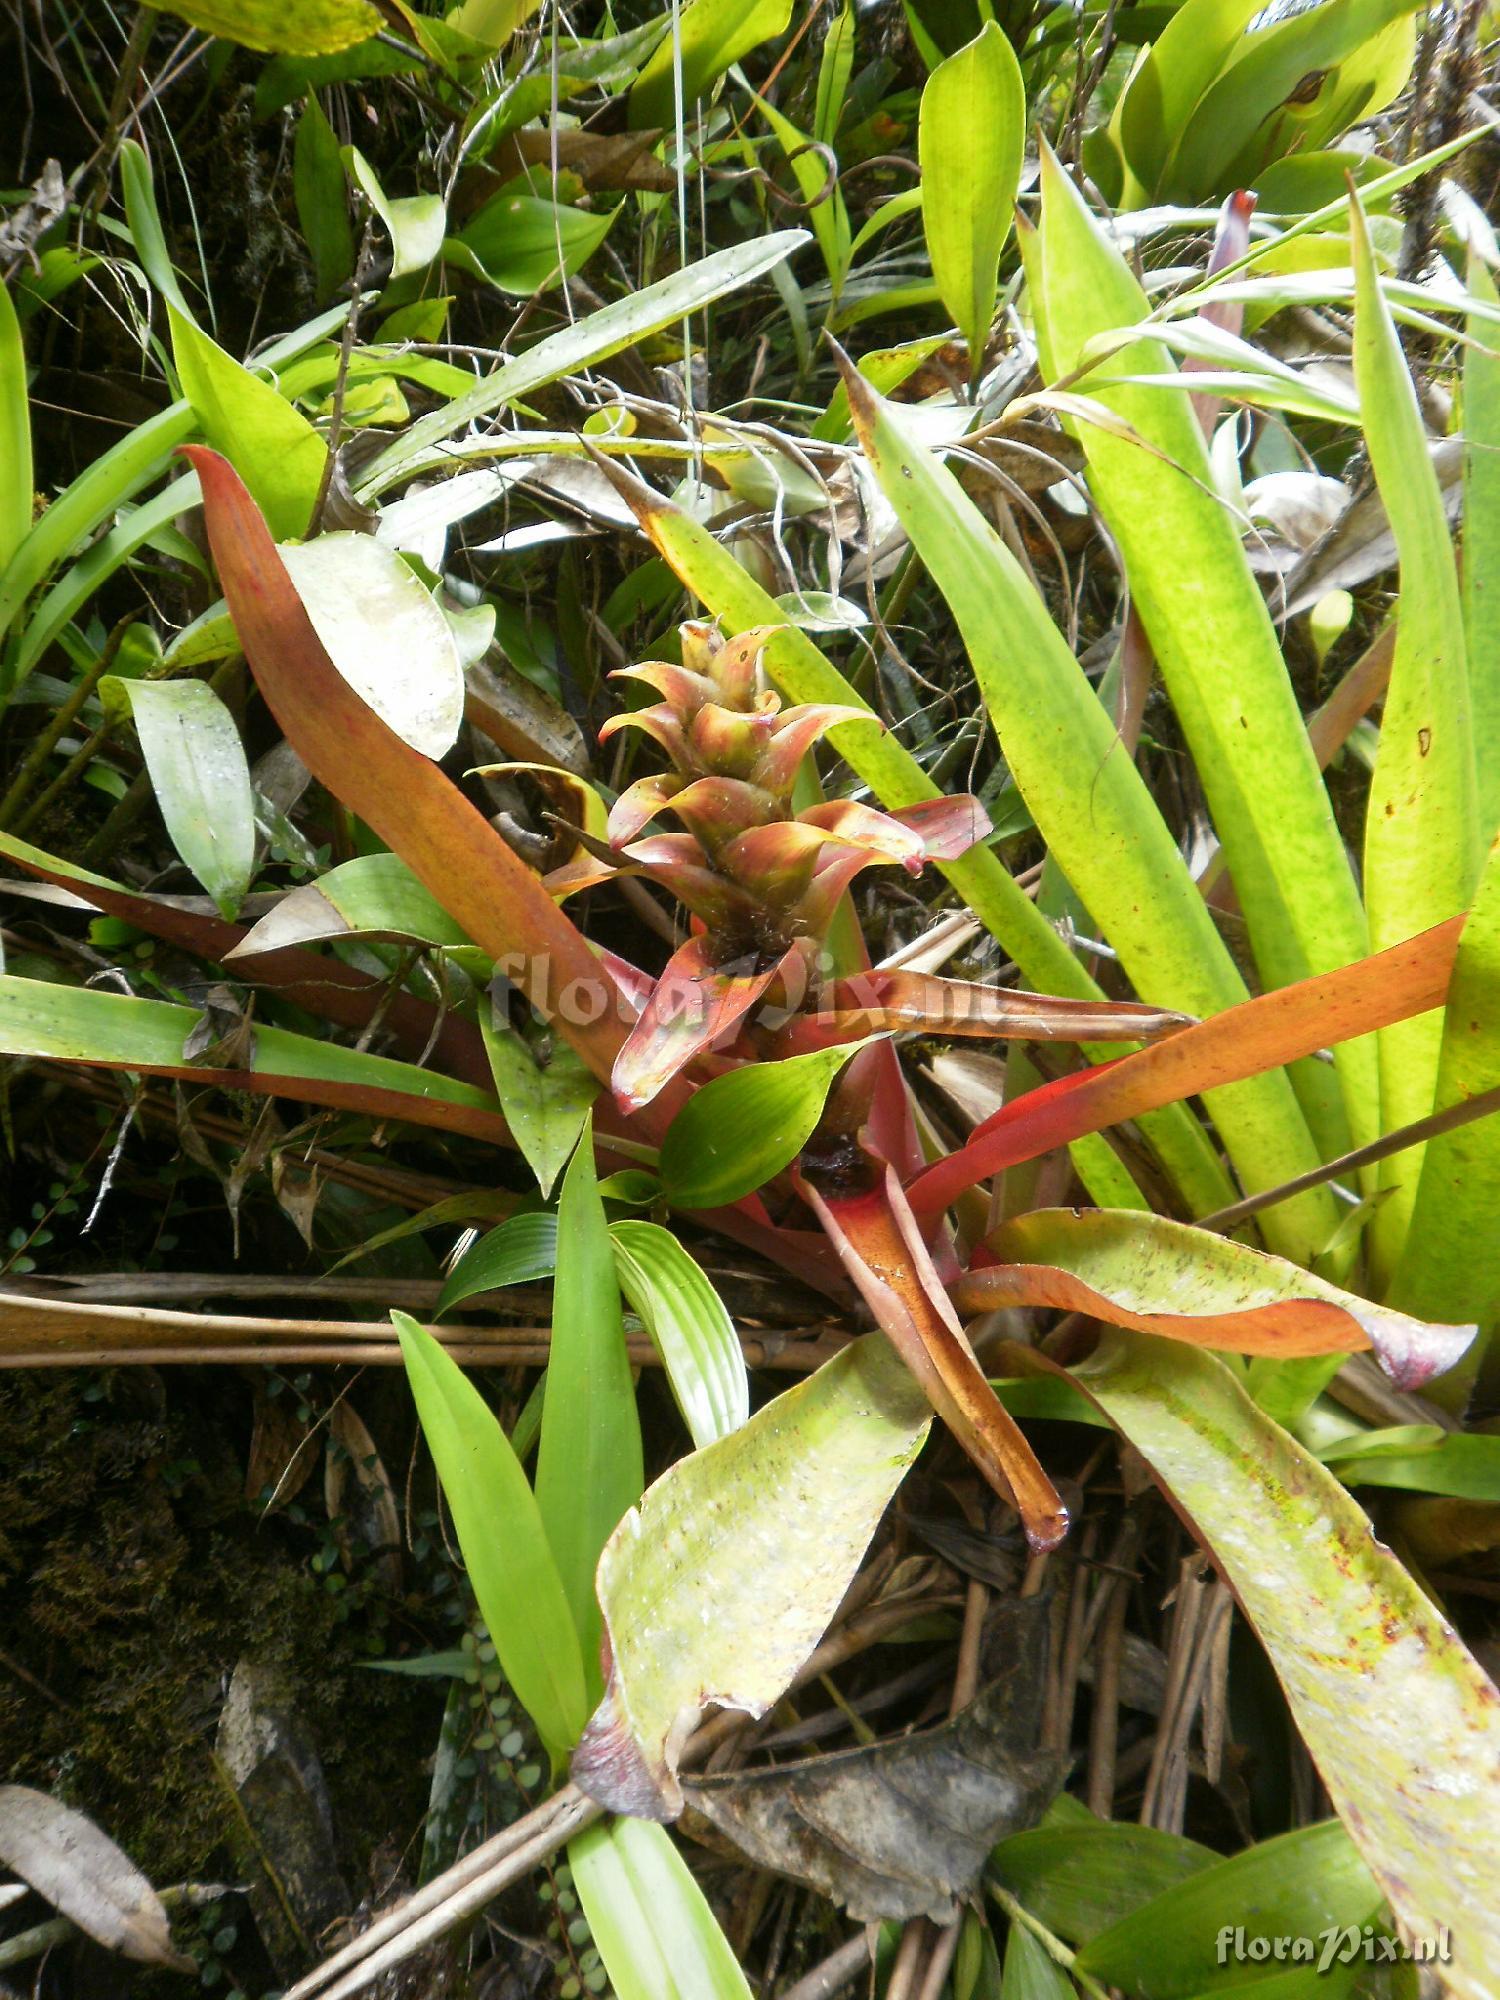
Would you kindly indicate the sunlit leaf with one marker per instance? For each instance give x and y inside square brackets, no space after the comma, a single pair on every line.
[970,140]
[1422,844]
[1145,1271]
[15,435]
[310,28]
[649,1919]
[712,35]
[273,447]
[686,1320]
[415,223]
[1359,1649]
[384,633]
[201,780]
[720,1584]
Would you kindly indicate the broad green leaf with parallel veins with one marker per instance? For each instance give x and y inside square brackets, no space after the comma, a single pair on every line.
[588,1469]
[320,189]
[1422,844]
[144,221]
[273,447]
[521,244]
[506,1551]
[649,1919]
[384,633]
[201,779]
[741,1129]
[306,28]
[1301,1884]
[522,1249]
[1145,1271]
[1402,1722]
[721,1583]
[686,1320]
[971,137]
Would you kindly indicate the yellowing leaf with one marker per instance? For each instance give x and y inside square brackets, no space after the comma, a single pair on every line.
[306,28]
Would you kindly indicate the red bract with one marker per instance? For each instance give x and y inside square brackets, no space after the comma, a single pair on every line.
[763,880]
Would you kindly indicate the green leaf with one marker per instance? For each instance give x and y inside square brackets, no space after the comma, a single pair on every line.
[971,137]
[505,1548]
[198,771]
[1389,1702]
[713,35]
[1240,107]
[117,1031]
[320,190]
[310,28]
[384,633]
[114,477]
[1207,619]
[1451,1256]
[1422,846]
[827,213]
[581,345]
[649,1919]
[545,1103]
[521,244]
[724,1580]
[492,21]
[415,223]
[275,450]
[373,896]
[1170,78]
[1481,564]
[144,223]
[686,1320]
[15,435]
[835,66]
[1079,1879]
[1299,1885]
[521,1250]
[589,1469]
[1089,802]
[1030,1974]
[741,1129]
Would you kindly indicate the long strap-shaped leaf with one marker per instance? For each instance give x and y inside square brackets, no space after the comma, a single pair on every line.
[1213,636]
[116,1031]
[1276,1028]
[1400,1719]
[408,801]
[323,986]
[1089,801]
[1422,847]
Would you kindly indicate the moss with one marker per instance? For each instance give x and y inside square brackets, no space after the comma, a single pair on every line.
[132,1578]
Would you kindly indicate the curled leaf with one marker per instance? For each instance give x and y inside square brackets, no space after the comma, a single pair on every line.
[1138,1270]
